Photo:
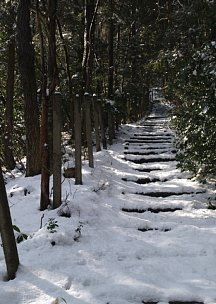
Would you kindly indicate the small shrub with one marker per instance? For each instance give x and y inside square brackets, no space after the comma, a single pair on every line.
[210,205]
[20,236]
[52,225]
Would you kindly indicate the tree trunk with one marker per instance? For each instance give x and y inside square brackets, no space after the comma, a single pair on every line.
[8,125]
[57,100]
[110,52]
[88,52]
[87,66]
[87,106]
[96,123]
[7,233]
[25,52]
[117,57]
[44,151]
[52,70]
[49,83]
[68,70]
[101,121]
[111,131]
[78,144]
[101,114]
[45,170]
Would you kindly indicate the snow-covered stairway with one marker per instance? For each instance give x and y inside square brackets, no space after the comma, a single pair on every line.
[153,151]
[162,201]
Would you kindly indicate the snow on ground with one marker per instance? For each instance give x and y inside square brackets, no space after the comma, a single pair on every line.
[102,254]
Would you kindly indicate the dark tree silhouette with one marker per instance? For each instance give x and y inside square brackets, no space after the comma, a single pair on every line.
[7,234]
[26,59]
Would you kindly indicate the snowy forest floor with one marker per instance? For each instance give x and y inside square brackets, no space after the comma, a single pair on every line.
[139,232]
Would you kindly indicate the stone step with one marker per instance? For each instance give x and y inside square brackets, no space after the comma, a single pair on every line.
[146,229]
[149,209]
[150,160]
[147,169]
[149,141]
[152,136]
[152,124]
[153,139]
[149,152]
[156,117]
[143,181]
[167,193]
[152,146]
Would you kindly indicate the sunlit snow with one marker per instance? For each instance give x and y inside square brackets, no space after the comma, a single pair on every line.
[100,254]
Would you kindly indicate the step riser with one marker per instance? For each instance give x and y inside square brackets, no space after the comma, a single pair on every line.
[150,160]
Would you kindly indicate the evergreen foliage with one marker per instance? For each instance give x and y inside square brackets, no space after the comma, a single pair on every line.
[190,62]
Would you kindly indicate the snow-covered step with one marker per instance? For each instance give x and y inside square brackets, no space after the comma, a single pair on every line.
[165,175]
[149,152]
[152,123]
[154,146]
[146,229]
[151,209]
[156,117]
[184,202]
[148,167]
[150,159]
[142,181]
[152,138]
[167,193]
[173,187]
[155,134]
[149,141]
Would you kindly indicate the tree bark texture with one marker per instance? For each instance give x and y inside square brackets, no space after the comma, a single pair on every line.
[44,147]
[53,79]
[8,123]
[101,122]
[70,84]
[87,105]
[45,155]
[52,69]
[111,75]
[78,141]
[96,123]
[89,33]
[110,52]
[7,233]
[87,66]
[25,52]
[57,100]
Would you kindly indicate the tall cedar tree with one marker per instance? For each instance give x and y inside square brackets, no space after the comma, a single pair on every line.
[8,120]
[45,173]
[47,100]
[87,64]
[111,73]
[26,60]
